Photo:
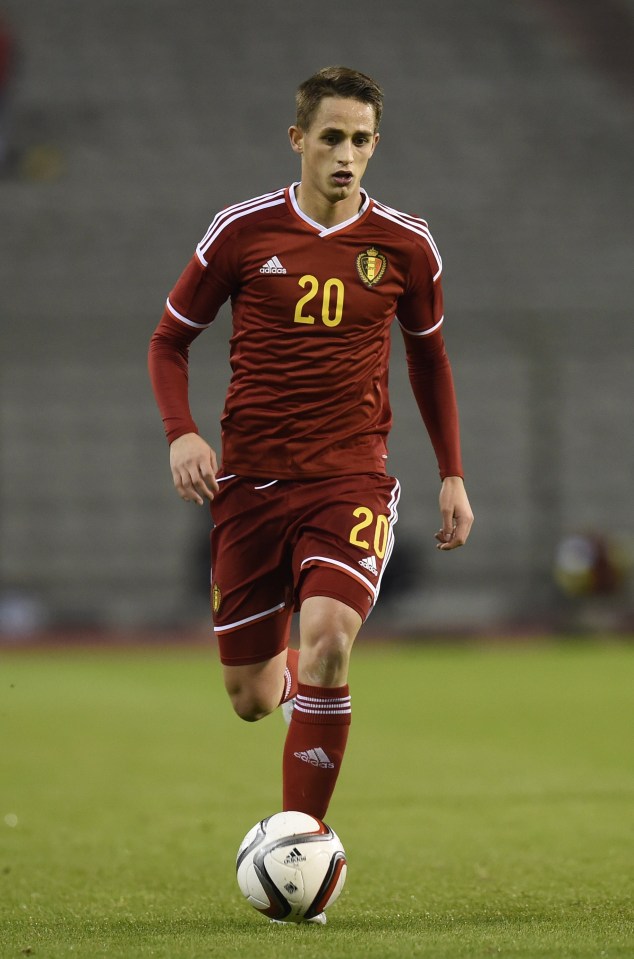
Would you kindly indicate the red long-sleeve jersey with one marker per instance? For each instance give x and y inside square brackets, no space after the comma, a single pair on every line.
[312,310]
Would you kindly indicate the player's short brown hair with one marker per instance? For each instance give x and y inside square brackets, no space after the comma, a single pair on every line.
[337,82]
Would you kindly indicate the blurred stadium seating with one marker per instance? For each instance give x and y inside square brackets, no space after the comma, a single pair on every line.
[132,122]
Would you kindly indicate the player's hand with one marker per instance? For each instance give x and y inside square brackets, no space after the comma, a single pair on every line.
[194,467]
[455,510]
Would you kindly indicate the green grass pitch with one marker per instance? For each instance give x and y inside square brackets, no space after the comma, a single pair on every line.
[486,805]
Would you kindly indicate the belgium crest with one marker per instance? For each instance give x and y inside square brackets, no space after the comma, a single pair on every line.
[371,266]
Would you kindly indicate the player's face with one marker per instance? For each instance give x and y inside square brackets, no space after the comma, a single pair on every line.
[335,150]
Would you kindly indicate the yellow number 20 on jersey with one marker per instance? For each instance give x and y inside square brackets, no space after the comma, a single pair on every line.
[331,300]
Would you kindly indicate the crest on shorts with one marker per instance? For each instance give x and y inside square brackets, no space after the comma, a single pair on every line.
[371,265]
[216,597]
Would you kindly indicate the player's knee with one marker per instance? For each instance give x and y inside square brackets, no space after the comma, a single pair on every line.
[325,659]
[249,705]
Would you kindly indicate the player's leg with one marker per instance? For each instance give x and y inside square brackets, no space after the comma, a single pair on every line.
[256,686]
[338,567]
[318,732]
[251,595]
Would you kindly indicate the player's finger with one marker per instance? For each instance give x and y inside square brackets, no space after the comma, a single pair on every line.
[463,528]
[453,543]
[204,484]
[459,535]
[214,468]
[178,483]
[208,480]
[186,487]
[203,491]
[444,535]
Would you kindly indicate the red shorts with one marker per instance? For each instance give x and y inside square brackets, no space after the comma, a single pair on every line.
[277,542]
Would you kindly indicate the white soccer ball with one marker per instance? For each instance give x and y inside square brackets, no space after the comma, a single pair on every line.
[291,866]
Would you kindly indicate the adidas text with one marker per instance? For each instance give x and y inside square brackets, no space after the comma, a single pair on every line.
[316,757]
[369,563]
[294,857]
[272,266]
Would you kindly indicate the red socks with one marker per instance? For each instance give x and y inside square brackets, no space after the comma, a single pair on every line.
[314,748]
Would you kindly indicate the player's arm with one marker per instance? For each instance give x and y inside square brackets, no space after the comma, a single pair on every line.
[421,314]
[205,284]
[432,384]
[192,461]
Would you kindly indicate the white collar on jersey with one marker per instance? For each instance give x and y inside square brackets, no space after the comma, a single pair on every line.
[323,231]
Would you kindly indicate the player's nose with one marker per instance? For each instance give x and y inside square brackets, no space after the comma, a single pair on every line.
[346,152]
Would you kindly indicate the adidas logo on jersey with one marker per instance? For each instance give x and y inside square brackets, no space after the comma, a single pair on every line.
[272,266]
[316,757]
[369,563]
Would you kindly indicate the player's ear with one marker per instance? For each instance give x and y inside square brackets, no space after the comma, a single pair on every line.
[375,140]
[296,136]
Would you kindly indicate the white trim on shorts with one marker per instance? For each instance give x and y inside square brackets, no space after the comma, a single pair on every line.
[249,619]
[329,561]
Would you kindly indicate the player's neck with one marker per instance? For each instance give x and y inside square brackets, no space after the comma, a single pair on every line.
[328,214]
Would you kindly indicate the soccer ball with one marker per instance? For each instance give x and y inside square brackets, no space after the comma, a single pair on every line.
[291,866]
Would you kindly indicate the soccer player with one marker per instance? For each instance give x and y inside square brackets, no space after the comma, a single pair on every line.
[302,506]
